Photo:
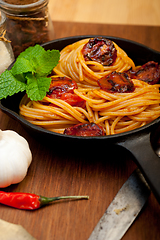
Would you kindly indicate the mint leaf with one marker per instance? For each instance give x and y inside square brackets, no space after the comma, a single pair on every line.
[36,60]
[21,65]
[30,73]
[9,85]
[47,62]
[30,52]
[37,87]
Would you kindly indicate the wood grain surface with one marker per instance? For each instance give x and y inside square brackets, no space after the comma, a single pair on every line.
[132,12]
[87,170]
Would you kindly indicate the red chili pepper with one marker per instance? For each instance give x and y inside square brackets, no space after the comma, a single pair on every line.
[30,201]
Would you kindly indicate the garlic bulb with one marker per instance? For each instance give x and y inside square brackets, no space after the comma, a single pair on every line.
[15,158]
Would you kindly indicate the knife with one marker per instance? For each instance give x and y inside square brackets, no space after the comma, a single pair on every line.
[123,210]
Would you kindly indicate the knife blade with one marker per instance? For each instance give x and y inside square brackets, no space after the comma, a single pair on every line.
[123,210]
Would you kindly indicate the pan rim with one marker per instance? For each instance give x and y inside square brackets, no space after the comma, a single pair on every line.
[54,134]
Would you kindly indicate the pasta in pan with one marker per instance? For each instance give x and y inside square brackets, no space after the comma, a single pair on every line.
[73,64]
[115,112]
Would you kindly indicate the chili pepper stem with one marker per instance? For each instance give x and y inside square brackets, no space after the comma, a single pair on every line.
[46,200]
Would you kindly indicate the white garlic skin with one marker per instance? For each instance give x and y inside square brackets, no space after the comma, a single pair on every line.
[15,158]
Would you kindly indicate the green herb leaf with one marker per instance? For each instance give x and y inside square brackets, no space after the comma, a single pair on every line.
[30,73]
[9,85]
[37,87]
[45,64]
[36,60]
[21,66]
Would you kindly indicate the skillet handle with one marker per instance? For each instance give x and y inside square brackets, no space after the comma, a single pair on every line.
[146,159]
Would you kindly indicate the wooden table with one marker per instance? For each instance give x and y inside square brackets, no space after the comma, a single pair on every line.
[99,175]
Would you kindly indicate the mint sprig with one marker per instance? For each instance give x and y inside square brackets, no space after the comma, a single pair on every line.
[29,73]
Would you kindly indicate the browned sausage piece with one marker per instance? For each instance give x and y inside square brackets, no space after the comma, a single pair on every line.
[116,82]
[149,72]
[100,50]
[87,129]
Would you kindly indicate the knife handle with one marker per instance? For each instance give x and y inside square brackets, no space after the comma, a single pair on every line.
[146,159]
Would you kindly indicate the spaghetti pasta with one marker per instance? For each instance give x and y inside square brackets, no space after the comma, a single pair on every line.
[114,112]
[73,64]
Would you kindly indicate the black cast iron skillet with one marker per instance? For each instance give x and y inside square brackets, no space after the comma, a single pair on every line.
[141,142]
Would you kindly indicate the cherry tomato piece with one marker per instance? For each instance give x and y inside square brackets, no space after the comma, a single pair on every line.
[61,85]
[100,50]
[63,88]
[149,72]
[116,82]
[73,100]
[88,129]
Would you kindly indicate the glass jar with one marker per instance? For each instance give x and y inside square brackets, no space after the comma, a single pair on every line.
[6,52]
[28,23]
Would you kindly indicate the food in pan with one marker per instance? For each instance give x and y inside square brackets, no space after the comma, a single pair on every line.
[96,89]
[30,73]
[149,72]
[88,60]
